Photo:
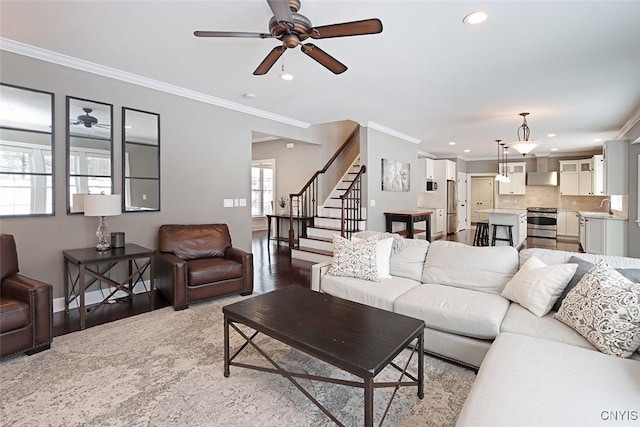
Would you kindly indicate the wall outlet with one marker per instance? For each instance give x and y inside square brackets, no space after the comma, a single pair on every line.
[227,203]
[372,203]
[236,202]
[144,197]
[243,202]
[574,203]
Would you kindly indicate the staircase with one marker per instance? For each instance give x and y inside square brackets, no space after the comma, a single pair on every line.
[317,245]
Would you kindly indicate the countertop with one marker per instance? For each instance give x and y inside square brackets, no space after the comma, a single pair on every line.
[601,215]
[504,211]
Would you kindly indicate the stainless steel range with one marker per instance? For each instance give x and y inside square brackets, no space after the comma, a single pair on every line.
[542,222]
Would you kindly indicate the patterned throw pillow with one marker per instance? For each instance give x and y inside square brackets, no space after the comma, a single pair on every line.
[604,307]
[354,259]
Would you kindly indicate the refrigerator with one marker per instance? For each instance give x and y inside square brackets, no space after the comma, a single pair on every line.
[452,207]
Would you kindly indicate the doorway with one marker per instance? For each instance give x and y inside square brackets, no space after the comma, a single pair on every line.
[482,193]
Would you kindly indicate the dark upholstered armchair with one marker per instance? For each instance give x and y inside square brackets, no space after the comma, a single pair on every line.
[26,306]
[197,262]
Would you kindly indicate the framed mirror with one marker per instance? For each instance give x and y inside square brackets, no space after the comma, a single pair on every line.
[26,147]
[140,161]
[89,150]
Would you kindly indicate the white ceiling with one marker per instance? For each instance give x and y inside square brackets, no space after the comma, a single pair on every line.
[574,65]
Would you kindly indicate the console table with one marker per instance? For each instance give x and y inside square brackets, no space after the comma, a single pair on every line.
[409,218]
[89,262]
[304,221]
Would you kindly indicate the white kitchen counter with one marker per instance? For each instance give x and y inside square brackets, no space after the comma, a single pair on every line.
[504,211]
[601,215]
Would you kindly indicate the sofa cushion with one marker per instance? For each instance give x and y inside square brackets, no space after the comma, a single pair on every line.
[485,269]
[380,295]
[209,270]
[14,314]
[553,256]
[526,381]
[355,258]
[605,308]
[409,262]
[459,311]
[194,241]
[536,286]
[519,320]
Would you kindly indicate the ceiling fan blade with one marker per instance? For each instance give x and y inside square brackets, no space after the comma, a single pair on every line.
[323,58]
[281,10]
[231,34]
[355,28]
[271,59]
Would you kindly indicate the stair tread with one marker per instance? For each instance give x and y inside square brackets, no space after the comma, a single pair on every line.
[315,251]
[319,239]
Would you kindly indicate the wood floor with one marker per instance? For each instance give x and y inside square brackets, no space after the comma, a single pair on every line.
[273,269]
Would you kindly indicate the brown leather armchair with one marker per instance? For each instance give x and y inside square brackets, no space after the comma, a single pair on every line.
[26,306]
[197,262]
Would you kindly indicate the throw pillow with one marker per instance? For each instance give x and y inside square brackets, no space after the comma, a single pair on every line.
[410,262]
[584,266]
[383,253]
[536,286]
[604,307]
[354,259]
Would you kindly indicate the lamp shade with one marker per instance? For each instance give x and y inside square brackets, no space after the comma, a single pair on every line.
[523,147]
[102,205]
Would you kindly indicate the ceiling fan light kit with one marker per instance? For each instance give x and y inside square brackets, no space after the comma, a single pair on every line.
[523,145]
[292,28]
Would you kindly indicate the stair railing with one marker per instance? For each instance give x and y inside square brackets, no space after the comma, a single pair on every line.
[351,206]
[304,204]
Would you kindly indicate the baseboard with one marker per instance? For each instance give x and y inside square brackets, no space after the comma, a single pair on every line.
[94,297]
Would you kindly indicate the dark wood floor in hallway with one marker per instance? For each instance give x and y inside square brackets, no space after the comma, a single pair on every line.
[273,269]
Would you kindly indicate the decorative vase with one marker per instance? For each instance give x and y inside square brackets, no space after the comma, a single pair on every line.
[283,211]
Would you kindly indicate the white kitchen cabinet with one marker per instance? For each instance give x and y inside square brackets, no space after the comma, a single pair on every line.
[430,168]
[582,232]
[568,224]
[604,236]
[517,173]
[451,173]
[439,221]
[522,229]
[584,177]
[569,178]
[597,175]
[616,167]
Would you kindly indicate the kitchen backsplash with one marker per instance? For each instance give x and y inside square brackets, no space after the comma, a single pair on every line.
[550,197]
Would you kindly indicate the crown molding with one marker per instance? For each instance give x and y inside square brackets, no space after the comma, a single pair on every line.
[634,120]
[391,132]
[113,73]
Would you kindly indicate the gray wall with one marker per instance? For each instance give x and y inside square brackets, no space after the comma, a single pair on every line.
[375,146]
[206,157]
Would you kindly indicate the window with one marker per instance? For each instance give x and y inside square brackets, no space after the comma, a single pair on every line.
[262,183]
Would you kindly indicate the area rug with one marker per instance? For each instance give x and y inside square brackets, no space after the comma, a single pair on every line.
[165,368]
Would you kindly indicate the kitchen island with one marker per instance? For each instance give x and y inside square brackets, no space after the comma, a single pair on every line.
[517,218]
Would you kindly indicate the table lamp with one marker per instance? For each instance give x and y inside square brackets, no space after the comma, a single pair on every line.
[102,205]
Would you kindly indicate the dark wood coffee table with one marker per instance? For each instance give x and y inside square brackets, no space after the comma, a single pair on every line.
[356,338]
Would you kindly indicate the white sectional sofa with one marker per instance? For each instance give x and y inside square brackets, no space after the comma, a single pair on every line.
[532,370]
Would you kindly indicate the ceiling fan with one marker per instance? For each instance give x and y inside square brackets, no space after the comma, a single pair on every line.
[293,28]
[88,121]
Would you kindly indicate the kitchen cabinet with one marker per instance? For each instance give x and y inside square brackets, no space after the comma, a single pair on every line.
[450,168]
[430,168]
[597,175]
[582,232]
[603,236]
[585,183]
[439,221]
[569,178]
[517,173]
[581,177]
[568,224]
[616,167]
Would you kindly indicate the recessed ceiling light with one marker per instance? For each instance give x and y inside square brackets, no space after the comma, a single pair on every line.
[475,18]
[554,149]
[597,140]
[249,95]
[551,135]
[452,143]
[467,151]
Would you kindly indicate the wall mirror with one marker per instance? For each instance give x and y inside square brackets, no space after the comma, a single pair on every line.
[89,150]
[140,160]
[26,146]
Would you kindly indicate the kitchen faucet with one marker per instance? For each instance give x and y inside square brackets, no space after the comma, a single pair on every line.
[607,200]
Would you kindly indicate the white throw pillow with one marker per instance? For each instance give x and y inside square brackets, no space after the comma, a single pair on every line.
[537,286]
[354,259]
[604,307]
[383,253]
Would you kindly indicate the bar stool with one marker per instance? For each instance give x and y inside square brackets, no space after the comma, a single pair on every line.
[510,232]
[481,237]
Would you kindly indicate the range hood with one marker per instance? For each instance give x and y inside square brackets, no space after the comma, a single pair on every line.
[542,176]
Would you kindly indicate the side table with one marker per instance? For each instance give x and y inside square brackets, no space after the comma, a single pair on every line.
[409,218]
[89,260]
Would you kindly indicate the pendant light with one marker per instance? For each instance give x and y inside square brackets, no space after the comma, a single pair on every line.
[499,176]
[523,145]
[505,150]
